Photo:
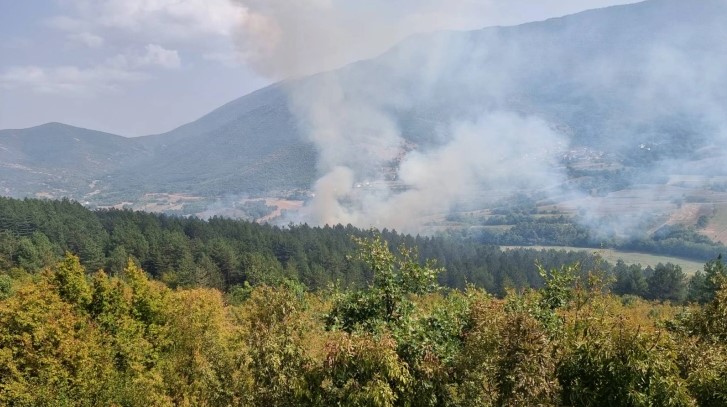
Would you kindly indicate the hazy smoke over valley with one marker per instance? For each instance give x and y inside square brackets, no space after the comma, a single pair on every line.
[450,120]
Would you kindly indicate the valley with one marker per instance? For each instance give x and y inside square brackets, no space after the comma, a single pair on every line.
[423,203]
[420,139]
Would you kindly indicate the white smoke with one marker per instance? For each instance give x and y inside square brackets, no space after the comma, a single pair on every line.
[480,156]
[501,136]
[291,38]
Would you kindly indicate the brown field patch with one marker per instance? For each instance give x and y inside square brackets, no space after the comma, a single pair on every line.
[688,214]
[717,227]
[281,204]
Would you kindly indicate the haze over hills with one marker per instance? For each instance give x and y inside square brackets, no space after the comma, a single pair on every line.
[597,101]
[55,159]
[249,146]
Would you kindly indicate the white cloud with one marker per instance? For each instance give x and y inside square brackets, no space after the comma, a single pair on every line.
[154,55]
[291,37]
[107,76]
[154,19]
[229,58]
[87,39]
[158,55]
[67,79]
[197,27]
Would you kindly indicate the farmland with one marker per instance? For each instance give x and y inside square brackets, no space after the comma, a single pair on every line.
[717,227]
[612,256]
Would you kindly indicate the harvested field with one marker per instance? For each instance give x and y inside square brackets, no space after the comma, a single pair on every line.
[612,256]
[717,227]
[689,213]
[281,204]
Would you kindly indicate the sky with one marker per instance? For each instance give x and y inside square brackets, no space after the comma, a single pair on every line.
[140,67]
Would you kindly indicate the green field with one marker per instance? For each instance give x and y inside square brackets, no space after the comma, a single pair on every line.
[611,256]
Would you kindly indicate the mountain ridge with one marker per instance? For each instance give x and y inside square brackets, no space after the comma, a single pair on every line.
[578,72]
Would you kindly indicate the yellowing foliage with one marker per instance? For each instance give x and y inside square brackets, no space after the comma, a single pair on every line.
[70,338]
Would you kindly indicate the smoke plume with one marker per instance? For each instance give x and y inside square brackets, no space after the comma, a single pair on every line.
[445,120]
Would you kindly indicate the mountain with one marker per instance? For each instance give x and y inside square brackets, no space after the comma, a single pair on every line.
[651,70]
[55,159]
[250,145]
[644,83]
[612,79]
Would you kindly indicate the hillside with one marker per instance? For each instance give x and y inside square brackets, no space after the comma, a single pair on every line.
[55,159]
[250,145]
[615,80]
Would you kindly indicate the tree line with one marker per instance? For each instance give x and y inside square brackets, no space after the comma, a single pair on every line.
[528,230]
[229,254]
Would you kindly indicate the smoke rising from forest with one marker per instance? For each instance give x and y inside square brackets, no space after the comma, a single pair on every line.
[433,122]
